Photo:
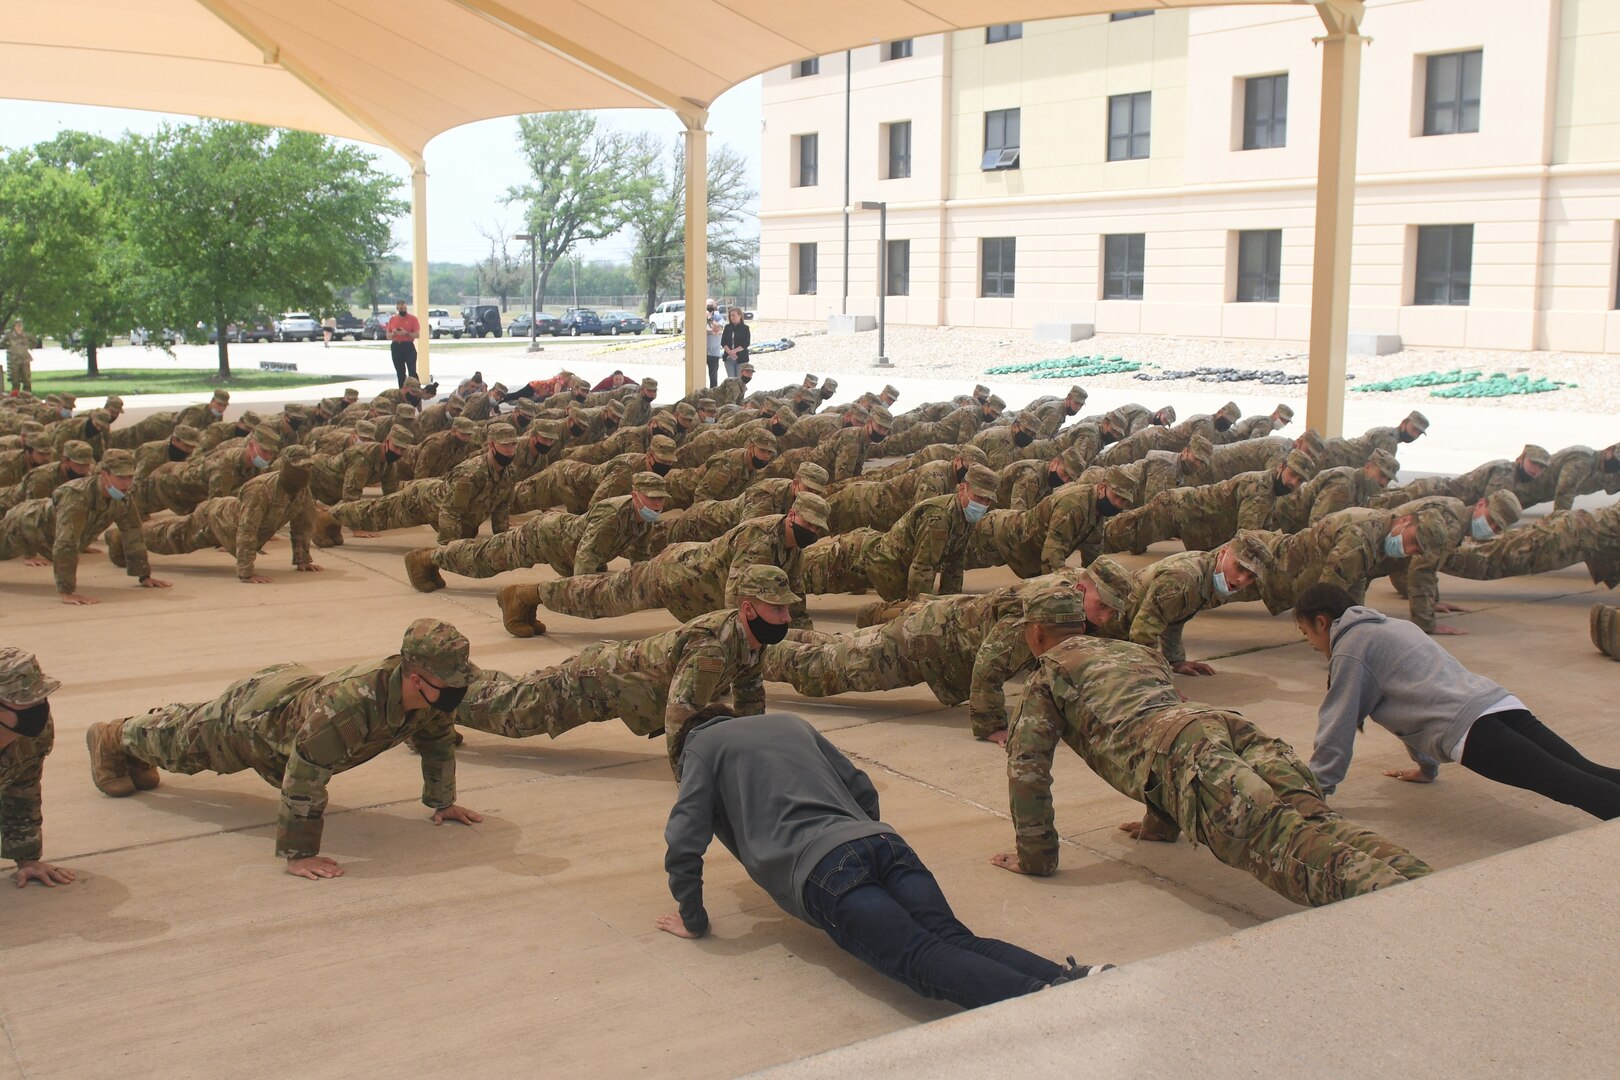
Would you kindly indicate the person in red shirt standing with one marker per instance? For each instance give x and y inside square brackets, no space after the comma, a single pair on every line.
[403,330]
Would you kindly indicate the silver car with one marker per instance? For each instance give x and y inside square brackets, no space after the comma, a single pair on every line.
[297,326]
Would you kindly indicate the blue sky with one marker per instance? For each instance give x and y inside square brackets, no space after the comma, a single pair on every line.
[469,168]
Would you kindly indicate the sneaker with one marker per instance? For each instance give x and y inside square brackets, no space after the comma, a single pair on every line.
[1073,972]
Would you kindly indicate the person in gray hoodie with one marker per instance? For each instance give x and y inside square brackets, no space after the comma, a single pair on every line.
[803,821]
[1392,671]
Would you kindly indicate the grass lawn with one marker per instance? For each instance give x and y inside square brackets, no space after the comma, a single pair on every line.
[125,381]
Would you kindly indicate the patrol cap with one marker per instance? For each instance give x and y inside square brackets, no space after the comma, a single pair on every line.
[662,423]
[860,410]
[981,393]
[812,510]
[464,427]
[1418,420]
[981,482]
[221,396]
[889,392]
[351,395]
[122,463]
[296,455]
[972,455]
[747,366]
[1285,413]
[1535,455]
[440,650]
[101,418]
[501,433]
[809,381]
[1074,462]
[29,427]
[114,403]
[1252,553]
[1167,414]
[767,583]
[684,410]
[528,408]
[1504,507]
[70,400]
[1385,462]
[762,440]
[22,684]
[1301,464]
[706,404]
[649,485]
[880,417]
[650,383]
[79,452]
[294,409]
[331,406]
[812,477]
[662,448]
[366,430]
[1116,420]
[1201,449]
[403,411]
[498,389]
[1057,606]
[400,435]
[1230,411]
[267,437]
[185,433]
[614,408]
[1311,441]
[995,404]
[544,427]
[1114,584]
[248,419]
[1078,392]
[412,383]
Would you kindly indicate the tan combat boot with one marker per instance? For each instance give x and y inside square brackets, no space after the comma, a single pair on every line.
[327,532]
[115,546]
[109,765]
[1606,630]
[424,576]
[519,603]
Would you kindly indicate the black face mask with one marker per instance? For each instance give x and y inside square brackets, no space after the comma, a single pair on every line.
[1106,437]
[576,430]
[1054,478]
[1023,438]
[1526,477]
[1222,423]
[89,429]
[392,456]
[804,537]
[1106,507]
[746,379]
[778,428]
[242,432]
[449,697]
[662,468]
[961,474]
[295,422]
[503,460]
[177,454]
[542,447]
[609,426]
[760,463]
[1611,464]
[1278,488]
[767,633]
[1406,436]
[32,720]
[876,436]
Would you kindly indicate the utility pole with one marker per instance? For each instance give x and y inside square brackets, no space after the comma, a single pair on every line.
[534,295]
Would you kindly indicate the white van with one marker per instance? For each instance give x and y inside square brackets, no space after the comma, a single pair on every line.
[668,317]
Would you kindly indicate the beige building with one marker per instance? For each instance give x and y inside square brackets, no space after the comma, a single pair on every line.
[1154,173]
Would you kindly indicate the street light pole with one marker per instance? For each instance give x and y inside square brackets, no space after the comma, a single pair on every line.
[883,271]
[534,295]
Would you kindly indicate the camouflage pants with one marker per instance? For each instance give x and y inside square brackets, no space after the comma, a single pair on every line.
[233,732]
[702,521]
[582,690]
[869,505]
[1256,806]
[833,564]
[549,538]
[419,502]
[165,489]
[1421,488]
[1556,541]
[20,370]
[660,582]
[211,525]
[822,665]
[1003,538]
[546,489]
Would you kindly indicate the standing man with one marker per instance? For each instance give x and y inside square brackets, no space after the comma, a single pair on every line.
[403,330]
[716,328]
[20,362]
[26,736]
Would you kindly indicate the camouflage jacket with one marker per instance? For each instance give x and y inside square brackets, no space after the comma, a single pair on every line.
[150,455]
[37,483]
[217,432]
[78,427]
[1139,481]
[1171,592]
[1357,449]
[159,425]
[1250,455]
[878,504]
[21,817]
[1573,471]
[481,407]
[1022,484]
[714,439]
[928,543]
[1212,514]
[843,455]
[1258,426]
[199,416]
[726,475]
[261,508]
[442,451]
[13,466]
[476,490]
[608,529]
[344,476]
[17,345]
[434,418]
[59,527]
[998,445]
[1328,492]
[627,440]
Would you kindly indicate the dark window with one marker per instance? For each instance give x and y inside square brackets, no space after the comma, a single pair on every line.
[897,50]
[1121,16]
[899,150]
[1130,118]
[806,254]
[1451,93]
[809,146]
[1265,112]
[811,66]
[1001,140]
[1010,31]
[1000,259]
[1123,258]
[1445,264]
[1259,266]
[899,268]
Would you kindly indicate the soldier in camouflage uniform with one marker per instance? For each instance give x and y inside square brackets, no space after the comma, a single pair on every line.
[26,737]
[1161,470]
[29,453]
[1040,540]
[211,411]
[1258,455]
[718,437]
[1562,538]
[1356,450]
[1174,589]
[1158,437]
[1332,490]
[1260,425]
[179,446]
[53,532]
[879,504]
[77,461]
[241,523]
[345,475]
[297,728]
[958,426]
[486,404]
[709,519]
[843,454]
[1573,471]
[1050,412]
[1005,443]
[1204,518]
[570,544]
[654,685]
[1200,770]
[812,429]
[90,428]
[156,426]
[1024,483]
[19,360]
[225,430]
[576,485]
[1474,484]
[456,505]
[685,579]
[442,451]
[182,486]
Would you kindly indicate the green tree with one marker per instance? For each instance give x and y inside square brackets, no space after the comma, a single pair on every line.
[658,219]
[583,181]
[230,218]
[49,220]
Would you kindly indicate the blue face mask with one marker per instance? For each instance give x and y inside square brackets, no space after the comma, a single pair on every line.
[115,495]
[260,462]
[648,514]
[1395,546]
[1221,587]
[1481,528]
[711,419]
[975,510]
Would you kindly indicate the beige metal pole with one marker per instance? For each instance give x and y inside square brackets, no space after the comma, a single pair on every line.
[1335,212]
[419,268]
[697,250]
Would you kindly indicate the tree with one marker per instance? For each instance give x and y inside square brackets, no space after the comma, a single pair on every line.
[584,180]
[658,219]
[229,217]
[502,274]
[49,219]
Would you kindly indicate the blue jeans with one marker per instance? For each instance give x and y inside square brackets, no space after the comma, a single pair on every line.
[875,898]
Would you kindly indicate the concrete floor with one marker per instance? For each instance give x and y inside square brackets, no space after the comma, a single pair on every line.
[526,944]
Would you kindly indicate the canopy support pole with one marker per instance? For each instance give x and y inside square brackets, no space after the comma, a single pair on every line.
[697,250]
[419,269]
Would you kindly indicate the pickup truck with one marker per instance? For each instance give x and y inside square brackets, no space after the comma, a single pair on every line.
[668,318]
[440,323]
[348,326]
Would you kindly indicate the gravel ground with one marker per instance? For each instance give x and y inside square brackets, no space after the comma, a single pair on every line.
[965,353]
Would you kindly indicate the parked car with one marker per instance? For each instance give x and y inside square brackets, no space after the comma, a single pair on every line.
[520,325]
[668,317]
[481,320]
[297,326]
[375,328]
[623,322]
[349,325]
[257,329]
[577,321]
[440,322]
[167,336]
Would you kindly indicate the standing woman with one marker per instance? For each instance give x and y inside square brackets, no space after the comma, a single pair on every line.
[734,341]
[328,325]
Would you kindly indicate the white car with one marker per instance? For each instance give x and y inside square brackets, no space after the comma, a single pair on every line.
[668,317]
[142,336]
[440,323]
[297,326]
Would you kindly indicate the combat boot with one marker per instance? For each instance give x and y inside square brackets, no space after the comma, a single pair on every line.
[519,605]
[327,532]
[424,576]
[109,765]
[115,546]
[1606,630]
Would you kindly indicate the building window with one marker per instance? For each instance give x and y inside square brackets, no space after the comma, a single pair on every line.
[1121,16]
[1124,256]
[999,259]
[1451,93]
[899,149]
[1445,264]
[804,68]
[1010,31]
[1265,112]
[898,267]
[1001,140]
[804,258]
[1259,266]
[809,148]
[897,50]
[1129,120]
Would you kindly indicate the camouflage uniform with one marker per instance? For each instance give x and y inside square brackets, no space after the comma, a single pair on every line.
[956,426]
[1170,593]
[19,360]
[221,431]
[1161,470]
[572,485]
[928,544]
[90,429]
[457,504]
[40,481]
[1470,487]
[1040,541]
[710,518]
[344,476]
[148,456]
[1562,538]
[570,544]
[879,504]
[1328,492]
[1357,449]
[1175,437]
[182,486]
[59,527]
[1573,471]
[240,523]
[442,451]
[209,412]
[1203,518]
[1250,455]
[22,817]
[843,455]
[159,425]
[1201,770]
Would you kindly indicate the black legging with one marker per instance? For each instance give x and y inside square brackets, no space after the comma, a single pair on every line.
[1516,749]
[714,371]
[404,357]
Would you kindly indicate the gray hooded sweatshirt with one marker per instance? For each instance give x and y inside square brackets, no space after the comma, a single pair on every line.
[779,797]
[1392,671]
